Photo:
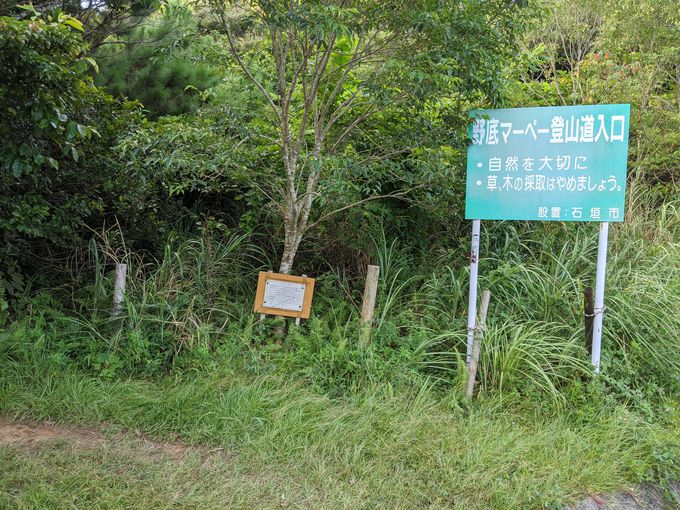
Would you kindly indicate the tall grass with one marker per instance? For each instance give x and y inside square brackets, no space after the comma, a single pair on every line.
[196,300]
[182,303]
[393,278]
[375,449]
[536,338]
[383,426]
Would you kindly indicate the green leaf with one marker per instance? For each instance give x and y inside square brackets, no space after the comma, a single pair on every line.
[93,63]
[17,167]
[71,130]
[28,7]
[73,22]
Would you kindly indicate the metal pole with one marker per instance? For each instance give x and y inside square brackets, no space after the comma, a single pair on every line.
[599,295]
[119,289]
[472,302]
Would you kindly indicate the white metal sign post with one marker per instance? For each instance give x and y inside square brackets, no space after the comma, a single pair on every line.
[472,302]
[598,311]
[556,163]
[599,295]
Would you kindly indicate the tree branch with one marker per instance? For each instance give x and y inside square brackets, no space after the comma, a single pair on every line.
[396,194]
[245,68]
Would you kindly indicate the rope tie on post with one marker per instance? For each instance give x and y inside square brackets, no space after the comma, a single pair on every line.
[596,311]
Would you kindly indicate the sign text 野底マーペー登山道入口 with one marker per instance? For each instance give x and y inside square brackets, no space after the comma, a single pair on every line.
[565,163]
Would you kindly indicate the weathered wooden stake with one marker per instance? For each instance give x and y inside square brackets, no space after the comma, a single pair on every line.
[370,293]
[297,319]
[588,316]
[477,343]
[119,289]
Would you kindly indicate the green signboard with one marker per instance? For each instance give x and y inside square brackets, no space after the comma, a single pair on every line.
[564,163]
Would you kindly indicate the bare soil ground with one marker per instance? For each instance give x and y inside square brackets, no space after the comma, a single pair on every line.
[27,434]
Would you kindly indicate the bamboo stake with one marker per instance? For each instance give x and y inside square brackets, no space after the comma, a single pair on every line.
[477,343]
[368,307]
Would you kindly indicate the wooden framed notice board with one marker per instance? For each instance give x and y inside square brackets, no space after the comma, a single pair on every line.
[285,295]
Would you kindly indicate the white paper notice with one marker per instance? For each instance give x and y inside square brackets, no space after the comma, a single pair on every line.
[284,295]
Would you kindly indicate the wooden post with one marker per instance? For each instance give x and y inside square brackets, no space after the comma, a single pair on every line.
[588,316]
[368,306]
[119,289]
[297,319]
[477,344]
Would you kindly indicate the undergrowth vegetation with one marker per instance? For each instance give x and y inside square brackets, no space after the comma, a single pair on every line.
[255,152]
[380,447]
[192,310]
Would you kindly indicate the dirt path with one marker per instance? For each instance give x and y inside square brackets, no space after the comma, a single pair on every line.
[27,433]
[45,465]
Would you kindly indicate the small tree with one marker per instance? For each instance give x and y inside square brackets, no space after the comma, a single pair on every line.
[325,67]
[160,63]
[100,18]
[58,172]
[618,51]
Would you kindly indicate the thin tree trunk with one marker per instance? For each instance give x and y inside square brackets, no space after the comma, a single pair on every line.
[289,250]
[296,220]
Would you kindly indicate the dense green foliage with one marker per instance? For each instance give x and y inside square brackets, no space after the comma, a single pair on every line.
[192,190]
[53,118]
[159,63]
[628,55]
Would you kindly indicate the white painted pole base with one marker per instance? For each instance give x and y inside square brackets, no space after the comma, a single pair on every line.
[119,289]
[472,301]
[599,295]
